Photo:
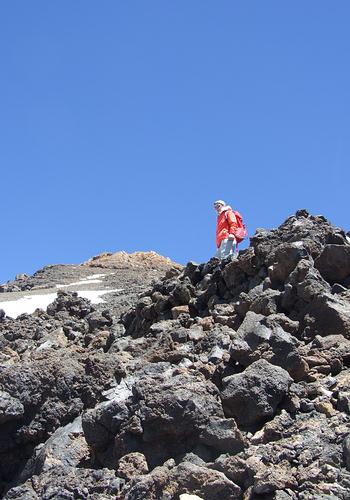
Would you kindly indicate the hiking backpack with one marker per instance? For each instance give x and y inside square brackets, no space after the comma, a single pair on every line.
[241,232]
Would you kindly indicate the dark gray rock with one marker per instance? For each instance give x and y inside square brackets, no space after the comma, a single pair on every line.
[313,231]
[280,319]
[253,396]
[102,423]
[337,288]
[181,294]
[97,320]
[193,272]
[66,448]
[176,407]
[328,315]
[223,435]
[268,302]
[307,281]
[237,468]
[192,458]
[343,403]
[346,451]
[283,260]
[71,304]
[254,341]
[233,275]
[334,263]
[68,483]
[164,417]
[10,408]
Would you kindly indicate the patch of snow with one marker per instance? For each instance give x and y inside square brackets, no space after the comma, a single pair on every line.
[95,295]
[93,278]
[29,303]
[77,283]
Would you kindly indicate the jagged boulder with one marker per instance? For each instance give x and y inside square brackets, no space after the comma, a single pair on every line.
[222,435]
[267,302]
[303,285]
[68,483]
[10,408]
[66,448]
[175,407]
[70,304]
[284,259]
[168,413]
[132,464]
[334,263]
[171,482]
[346,450]
[102,423]
[328,315]
[253,396]
[98,320]
[255,340]
[313,231]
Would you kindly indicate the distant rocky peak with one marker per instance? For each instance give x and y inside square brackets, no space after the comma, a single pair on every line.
[144,260]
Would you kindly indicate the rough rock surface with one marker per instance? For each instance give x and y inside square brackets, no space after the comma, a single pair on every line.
[252,397]
[221,380]
[136,260]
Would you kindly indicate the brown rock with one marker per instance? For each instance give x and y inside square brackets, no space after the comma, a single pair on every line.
[325,407]
[142,260]
[177,310]
[132,464]
[100,339]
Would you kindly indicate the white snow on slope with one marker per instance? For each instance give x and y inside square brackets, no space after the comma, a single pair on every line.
[95,295]
[93,278]
[29,303]
[77,283]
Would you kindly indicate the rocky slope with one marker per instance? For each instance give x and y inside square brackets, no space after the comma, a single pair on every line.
[224,380]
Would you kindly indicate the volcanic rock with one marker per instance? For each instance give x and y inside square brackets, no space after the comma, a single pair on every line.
[252,396]
[334,263]
[226,379]
[254,340]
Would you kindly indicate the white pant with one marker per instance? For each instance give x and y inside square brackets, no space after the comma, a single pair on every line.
[227,247]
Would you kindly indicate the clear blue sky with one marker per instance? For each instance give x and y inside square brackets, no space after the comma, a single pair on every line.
[121,122]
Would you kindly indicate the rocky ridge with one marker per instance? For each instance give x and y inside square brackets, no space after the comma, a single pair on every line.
[133,269]
[136,260]
[224,380]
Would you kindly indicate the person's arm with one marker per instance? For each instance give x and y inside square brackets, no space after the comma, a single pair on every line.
[232,223]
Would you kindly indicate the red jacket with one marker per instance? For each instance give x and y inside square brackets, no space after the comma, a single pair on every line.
[226,224]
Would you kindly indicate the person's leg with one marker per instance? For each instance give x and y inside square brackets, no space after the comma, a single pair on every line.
[226,248]
[220,250]
[229,248]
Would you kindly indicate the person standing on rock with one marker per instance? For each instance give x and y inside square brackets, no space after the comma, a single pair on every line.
[226,227]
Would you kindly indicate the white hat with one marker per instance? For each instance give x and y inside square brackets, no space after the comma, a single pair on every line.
[219,202]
